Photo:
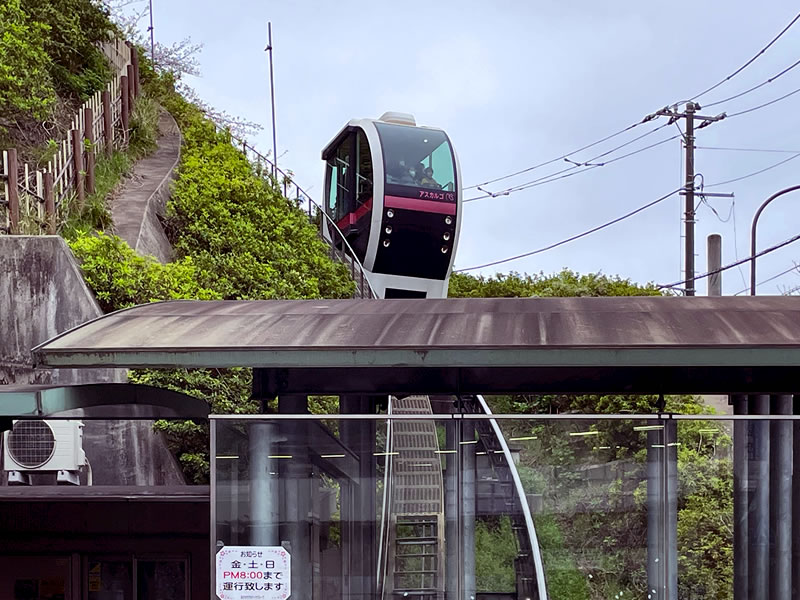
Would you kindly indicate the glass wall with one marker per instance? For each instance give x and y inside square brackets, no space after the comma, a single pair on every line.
[441,506]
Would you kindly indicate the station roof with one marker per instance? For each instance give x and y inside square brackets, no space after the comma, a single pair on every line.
[667,344]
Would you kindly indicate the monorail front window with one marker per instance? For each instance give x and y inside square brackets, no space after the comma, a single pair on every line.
[419,158]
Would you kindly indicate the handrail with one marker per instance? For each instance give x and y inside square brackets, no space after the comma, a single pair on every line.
[526,510]
[301,192]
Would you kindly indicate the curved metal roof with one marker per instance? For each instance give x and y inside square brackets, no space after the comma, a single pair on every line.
[472,332]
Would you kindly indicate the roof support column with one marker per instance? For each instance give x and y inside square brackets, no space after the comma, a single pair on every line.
[296,492]
[359,532]
[740,490]
[758,514]
[780,500]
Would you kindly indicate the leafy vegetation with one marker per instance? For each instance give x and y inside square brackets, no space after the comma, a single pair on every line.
[593,532]
[49,63]
[235,236]
[25,83]
[77,67]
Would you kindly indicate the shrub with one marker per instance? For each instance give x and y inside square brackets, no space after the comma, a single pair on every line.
[121,278]
[25,83]
[77,66]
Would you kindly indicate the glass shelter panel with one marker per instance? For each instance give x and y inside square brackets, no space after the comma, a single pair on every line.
[443,507]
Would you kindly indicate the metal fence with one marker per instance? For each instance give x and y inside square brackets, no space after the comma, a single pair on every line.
[39,200]
[339,248]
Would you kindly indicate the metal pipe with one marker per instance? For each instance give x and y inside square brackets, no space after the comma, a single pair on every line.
[740,487]
[451,529]
[796,502]
[758,517]
[671,516]
[272,98]
[655,517]
[264,488]
[780,501]
[714,264]
[468,509]
[753,234]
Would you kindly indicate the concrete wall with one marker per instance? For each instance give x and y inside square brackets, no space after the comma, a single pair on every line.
[42,294]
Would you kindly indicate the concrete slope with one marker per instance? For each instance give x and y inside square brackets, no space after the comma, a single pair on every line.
[144,195]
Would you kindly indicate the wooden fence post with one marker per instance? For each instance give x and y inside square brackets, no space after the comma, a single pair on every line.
[77,165]
[131,85]
[49,203]
[88,128]
[108,127]
[123,90]
[13,191]
[135,62]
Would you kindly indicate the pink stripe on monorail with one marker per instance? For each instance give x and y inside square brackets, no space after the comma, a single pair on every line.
[433,206]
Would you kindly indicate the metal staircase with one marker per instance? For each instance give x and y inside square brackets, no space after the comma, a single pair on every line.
[415,523]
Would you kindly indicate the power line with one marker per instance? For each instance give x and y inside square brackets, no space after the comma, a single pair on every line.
[754,88]
[563,156]
[574,237]
[646,119]
[733,264]
[589,165]
[747,149]
[754,173]
[760,106]
[794,267]
[749,62]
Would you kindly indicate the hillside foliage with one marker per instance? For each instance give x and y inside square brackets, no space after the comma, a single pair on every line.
[49,63]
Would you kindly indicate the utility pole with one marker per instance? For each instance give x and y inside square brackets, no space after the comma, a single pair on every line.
[688,192]
[272,97]
[689,215]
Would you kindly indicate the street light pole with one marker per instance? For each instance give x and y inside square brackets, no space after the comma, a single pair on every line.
[753,234]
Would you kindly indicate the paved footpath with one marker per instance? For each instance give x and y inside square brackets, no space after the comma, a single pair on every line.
[144,194]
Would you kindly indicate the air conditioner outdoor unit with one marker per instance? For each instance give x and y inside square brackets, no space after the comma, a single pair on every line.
[44,446]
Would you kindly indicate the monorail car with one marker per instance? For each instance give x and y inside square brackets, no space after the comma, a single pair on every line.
[394,190]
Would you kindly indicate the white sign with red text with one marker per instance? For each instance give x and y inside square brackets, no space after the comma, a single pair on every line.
[254,573]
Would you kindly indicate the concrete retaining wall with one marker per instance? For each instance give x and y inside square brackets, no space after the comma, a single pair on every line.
[42,294]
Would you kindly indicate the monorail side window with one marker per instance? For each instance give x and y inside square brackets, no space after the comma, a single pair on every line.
[341,195]
[418,158]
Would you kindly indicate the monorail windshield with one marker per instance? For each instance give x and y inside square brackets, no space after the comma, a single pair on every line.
[418,158]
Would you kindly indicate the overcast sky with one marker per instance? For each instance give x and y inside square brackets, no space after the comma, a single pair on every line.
[518,83]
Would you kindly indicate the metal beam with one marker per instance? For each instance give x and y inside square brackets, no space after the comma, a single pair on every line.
[19,402]
[721,379]
[526,356]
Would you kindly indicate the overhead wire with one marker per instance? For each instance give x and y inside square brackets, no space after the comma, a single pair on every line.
[764,105]
[794,267]
[767,150]
[778,246]
[574,237]
[754,173]
[646,119]
[749,62]
[563,156]
[579,167]
[754,88]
